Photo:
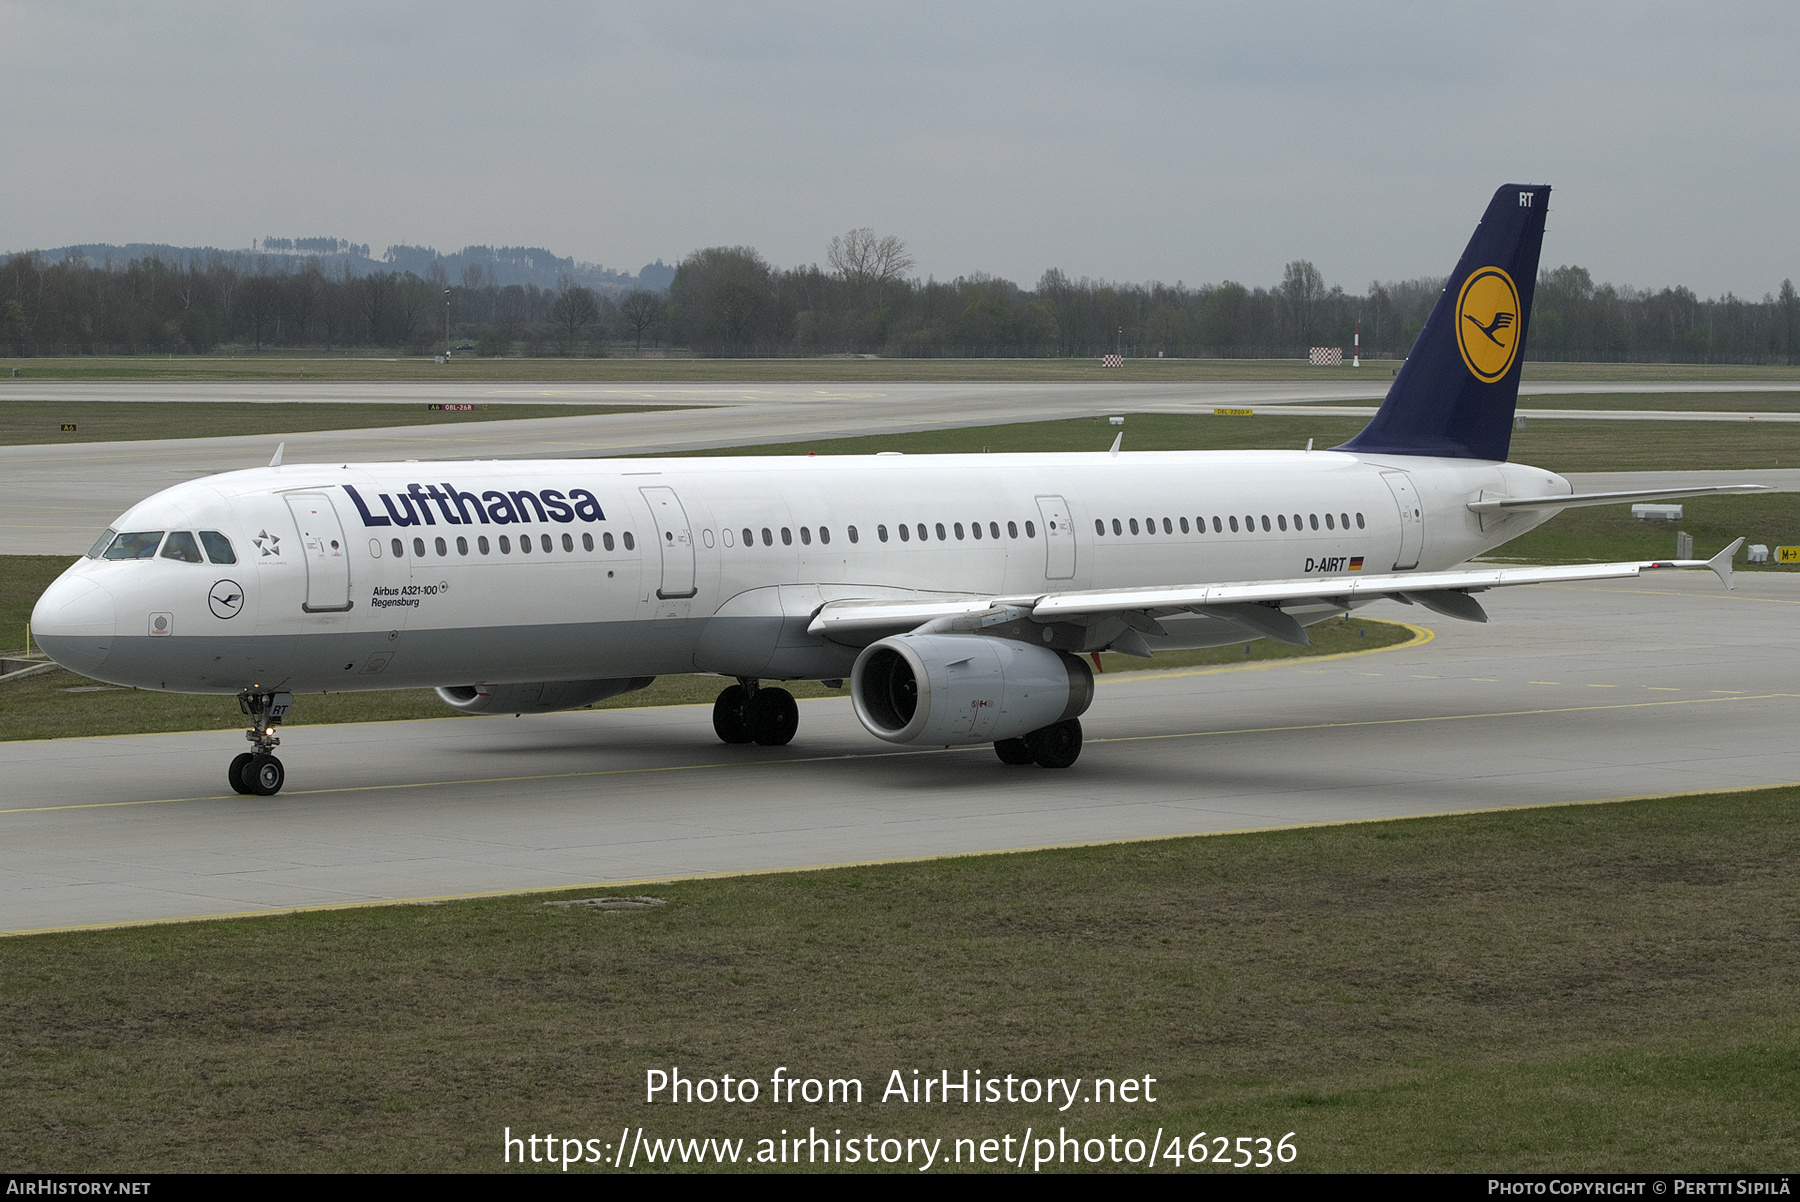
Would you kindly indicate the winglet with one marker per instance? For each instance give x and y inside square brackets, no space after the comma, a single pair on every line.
[279,448]
[1116,444]
[1721,563]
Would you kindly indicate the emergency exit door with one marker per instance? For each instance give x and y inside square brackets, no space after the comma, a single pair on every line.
[676,542]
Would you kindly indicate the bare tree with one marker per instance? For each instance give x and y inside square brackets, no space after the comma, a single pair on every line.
[574,308]
[868,263]
[642,310]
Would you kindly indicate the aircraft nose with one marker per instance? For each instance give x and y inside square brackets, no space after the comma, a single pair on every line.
[74,622]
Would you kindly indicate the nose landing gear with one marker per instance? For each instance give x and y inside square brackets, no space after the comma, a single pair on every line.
[257,771]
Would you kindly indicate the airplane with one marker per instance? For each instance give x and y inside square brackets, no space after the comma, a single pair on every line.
[957,594]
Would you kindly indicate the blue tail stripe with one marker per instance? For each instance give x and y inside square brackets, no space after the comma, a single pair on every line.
[1457,390]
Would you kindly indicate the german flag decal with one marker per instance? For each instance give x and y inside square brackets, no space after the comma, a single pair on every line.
[1356,563]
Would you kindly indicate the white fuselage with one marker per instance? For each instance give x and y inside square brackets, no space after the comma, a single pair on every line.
[394,575]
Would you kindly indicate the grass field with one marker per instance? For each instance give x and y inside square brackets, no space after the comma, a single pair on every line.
[35,422]
[1559,445]
[327,368]
[1604,988]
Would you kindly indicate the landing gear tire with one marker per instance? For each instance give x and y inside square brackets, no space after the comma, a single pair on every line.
[235,773]
[265,775]
[1014,751]
[730,720]
[1056,746]
[772,717]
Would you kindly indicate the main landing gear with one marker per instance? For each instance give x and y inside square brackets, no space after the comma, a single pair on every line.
[748,713]
[258,771]
[1056,746]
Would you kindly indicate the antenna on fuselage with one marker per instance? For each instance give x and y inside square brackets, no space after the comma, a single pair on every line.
[276,460]
[1116,443]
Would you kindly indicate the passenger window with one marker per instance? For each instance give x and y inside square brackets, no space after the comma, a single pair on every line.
[1012,530]
[805,536]
[1298,524]
[787,537]
[940,531]
[768,537]
[481,544]
[923,535]
[1184,526]
[905,532]
[419,547]
[631,543]
[218,547]
[505,545]
[587,542]
[399,549]
[442,549]
[1281,520]
[1313,519]
[1265,520]
[1149,525]
[853,537]
[462,545]
[606,540]
[1329,524]
[824,537]
[544,542]
[1359,521]
[1030,530]
[749,538]
[1169,527]
[1233,523]
[1099,526]
[180,545]
[975,529]
[524,544]
[374,548]
[1344,520]
[957,530]
[1216,529]
[139,545]
[568,542]
[994,529]
[1134,528]
[1118,527]
[880,533]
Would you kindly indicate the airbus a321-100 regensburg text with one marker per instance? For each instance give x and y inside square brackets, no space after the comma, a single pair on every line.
[956,593]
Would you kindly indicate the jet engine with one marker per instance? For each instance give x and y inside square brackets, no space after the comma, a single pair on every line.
[965,688]
[539,697]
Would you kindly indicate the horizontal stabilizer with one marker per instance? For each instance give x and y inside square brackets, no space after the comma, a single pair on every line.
[1575,500]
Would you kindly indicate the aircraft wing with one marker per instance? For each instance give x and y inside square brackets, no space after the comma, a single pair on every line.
[1253,604]
[1576,500]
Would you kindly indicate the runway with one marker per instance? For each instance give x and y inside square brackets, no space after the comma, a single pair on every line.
[55,499]
[1570,694]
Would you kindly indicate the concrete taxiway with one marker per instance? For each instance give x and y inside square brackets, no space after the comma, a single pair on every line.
[55,499]
[1660,685]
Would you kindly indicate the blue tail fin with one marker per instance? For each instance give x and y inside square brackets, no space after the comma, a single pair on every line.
[1455,394]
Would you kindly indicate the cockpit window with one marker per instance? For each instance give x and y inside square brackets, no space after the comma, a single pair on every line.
[218,547]
[180,545]
[102,544]
[134,545]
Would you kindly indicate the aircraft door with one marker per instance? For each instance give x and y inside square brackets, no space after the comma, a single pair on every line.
[1059,538]
[1412,521]
[323,548]
[676,542]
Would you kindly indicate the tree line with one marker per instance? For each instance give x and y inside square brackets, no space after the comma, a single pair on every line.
[730,301]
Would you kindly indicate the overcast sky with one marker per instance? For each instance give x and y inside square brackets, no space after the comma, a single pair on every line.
[1128,141]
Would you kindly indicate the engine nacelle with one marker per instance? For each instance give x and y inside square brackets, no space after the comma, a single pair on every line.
[538,697]
[965,688]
